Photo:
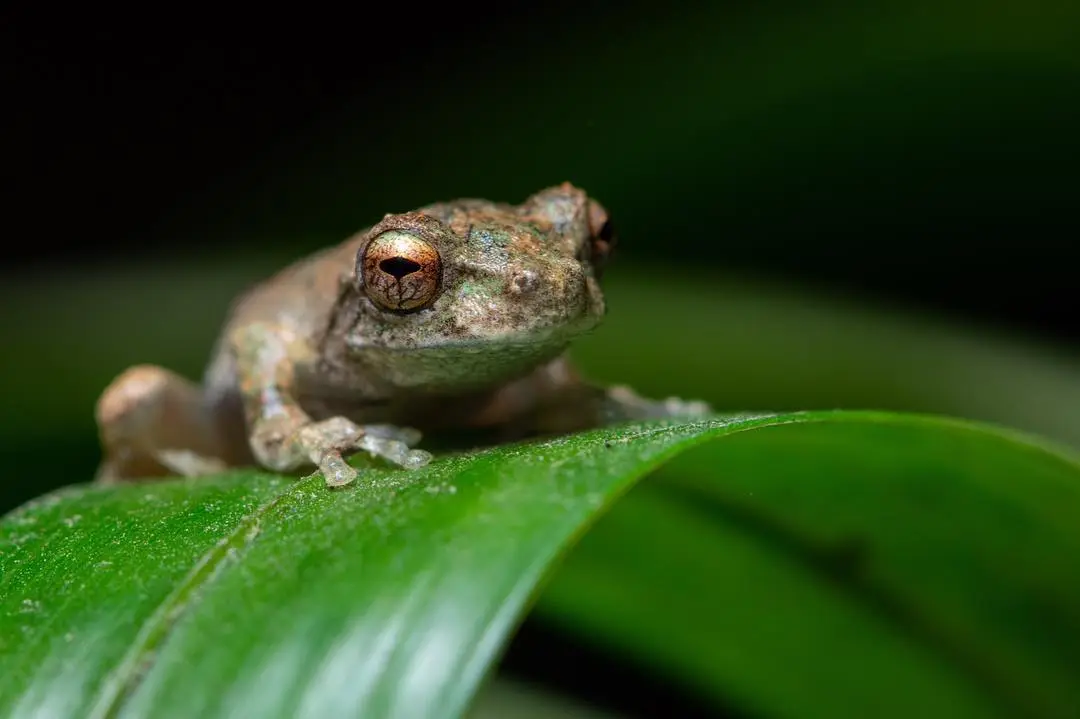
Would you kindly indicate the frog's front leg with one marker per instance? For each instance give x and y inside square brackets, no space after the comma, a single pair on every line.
[282,436]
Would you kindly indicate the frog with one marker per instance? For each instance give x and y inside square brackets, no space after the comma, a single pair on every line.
[459,315]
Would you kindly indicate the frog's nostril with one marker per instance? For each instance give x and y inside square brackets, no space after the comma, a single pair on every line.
[398,267]
[525,282]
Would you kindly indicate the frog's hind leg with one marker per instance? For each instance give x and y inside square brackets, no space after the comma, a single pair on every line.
[154,423]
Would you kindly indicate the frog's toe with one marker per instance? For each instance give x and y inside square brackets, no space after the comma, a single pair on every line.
[406,435]
[677,407]
[622,403]
[336,471]
[395,451]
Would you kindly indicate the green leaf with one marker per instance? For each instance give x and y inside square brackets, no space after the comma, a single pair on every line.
[821,564]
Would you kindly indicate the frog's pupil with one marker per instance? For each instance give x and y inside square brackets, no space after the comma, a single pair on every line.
[398,267]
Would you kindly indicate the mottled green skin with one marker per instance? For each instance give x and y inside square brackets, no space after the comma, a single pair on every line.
[309,366]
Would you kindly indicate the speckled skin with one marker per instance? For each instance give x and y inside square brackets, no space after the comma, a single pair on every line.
[335,354]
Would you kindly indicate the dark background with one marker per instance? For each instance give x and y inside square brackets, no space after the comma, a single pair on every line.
[921,153]
[909,154]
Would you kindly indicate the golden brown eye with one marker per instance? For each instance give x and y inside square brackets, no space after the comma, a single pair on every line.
[401,272]
[603,235]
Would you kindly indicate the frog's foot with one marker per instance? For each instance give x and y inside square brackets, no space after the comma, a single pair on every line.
[154,423]
[325,443]
[621,404]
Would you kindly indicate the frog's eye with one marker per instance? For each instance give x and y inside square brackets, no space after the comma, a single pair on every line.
[602,233]
[400,272]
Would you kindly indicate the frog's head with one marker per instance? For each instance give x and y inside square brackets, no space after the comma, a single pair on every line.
[472,293]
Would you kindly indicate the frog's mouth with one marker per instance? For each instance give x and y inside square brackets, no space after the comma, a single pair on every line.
[455,364]
[513,343]
[467,347]
[469,339]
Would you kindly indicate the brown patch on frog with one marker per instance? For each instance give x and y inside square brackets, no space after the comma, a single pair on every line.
[530,243]
[460,222]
